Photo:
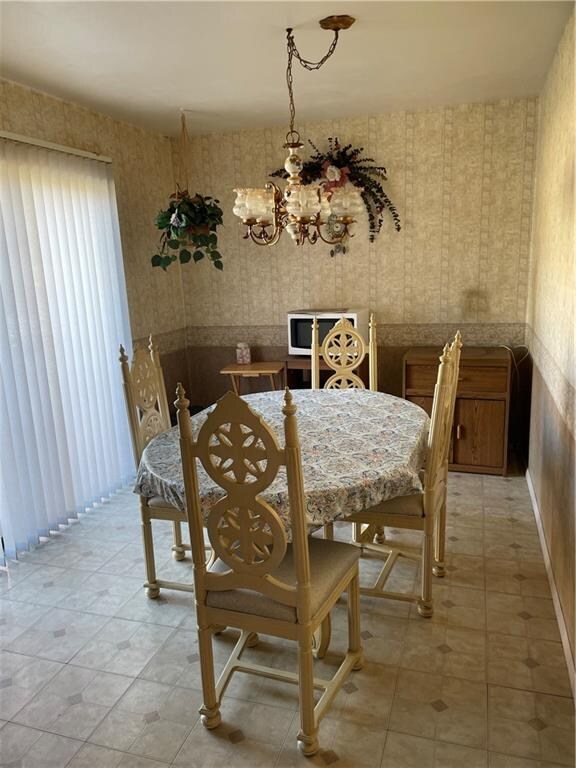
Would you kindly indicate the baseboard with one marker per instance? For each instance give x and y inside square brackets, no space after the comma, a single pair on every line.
[555,598]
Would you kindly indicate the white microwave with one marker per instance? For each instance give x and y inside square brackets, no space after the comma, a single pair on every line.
[300,326]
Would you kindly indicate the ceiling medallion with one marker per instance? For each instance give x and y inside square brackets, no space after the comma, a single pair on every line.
[302,210]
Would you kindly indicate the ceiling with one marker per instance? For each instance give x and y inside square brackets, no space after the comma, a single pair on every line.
[225,61]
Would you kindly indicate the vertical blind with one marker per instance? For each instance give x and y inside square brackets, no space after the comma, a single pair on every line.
[64,441]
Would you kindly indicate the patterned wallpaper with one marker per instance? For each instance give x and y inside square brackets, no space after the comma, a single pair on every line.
[551,315]
[142,164]
[461,178]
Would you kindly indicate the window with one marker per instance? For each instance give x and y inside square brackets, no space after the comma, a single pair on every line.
[64,441]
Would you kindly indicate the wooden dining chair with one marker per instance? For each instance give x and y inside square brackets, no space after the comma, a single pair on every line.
[258,580]
[148,416]
[424,511]
[343,351]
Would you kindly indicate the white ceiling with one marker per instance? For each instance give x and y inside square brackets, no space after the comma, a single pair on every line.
[225,61]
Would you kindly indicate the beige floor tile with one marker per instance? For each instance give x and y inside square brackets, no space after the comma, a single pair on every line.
[30,748]
[441,708]
[496,760]
[92,756]
[225,746]
[456,606]
[123,647]
[452,651]
[367,696]
[454,756]
[466,515]
[425,681]
[529,664]
[531,725]
[464,571]
[74,702]
[462,540]
[403,751]
[21,677]
[58,635]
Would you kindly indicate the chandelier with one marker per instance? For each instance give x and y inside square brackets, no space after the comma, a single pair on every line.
[303,210]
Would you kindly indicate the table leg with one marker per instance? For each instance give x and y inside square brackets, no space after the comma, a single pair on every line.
[234,385]
[272,382]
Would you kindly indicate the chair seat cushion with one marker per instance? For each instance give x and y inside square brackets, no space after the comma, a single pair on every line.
[159,502]
[329,561]
[412,505]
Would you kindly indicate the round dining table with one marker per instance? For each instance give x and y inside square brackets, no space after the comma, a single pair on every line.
[358,448]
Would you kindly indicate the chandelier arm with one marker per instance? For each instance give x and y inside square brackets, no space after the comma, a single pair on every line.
[263,238]
[335,241]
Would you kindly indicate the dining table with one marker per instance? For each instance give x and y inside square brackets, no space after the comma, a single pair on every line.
[359,448]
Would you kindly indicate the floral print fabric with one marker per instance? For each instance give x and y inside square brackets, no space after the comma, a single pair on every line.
[358,447]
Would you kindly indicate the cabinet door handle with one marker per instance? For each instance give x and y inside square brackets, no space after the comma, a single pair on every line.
[459,430]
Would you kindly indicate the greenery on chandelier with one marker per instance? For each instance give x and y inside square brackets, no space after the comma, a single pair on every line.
[189,230]
[342,164]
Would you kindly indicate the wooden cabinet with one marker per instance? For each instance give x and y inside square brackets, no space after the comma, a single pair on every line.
[480,433]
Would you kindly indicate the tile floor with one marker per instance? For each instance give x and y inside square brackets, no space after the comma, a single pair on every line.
[93,674]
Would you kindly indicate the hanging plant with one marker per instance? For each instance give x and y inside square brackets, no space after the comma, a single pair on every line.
[189,230]
[341,165]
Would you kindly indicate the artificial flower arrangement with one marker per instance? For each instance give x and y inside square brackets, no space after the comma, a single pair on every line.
[341,165]
[188,222]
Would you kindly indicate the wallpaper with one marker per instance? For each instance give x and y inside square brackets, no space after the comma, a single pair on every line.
[551,315]
[461,178]
[550,327]
[142,164]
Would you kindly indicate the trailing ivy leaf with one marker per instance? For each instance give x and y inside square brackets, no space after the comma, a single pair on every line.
[156,260]
[163,219]
[218,264]
[185,256]
[198,256]
[174,244]
[212,239]
[165,262]
[215,255]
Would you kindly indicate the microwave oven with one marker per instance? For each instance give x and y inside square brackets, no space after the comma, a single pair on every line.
[300,326]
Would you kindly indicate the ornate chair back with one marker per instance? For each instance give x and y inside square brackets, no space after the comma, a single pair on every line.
[145,395]
[343,350]
[241,454]
[441,421]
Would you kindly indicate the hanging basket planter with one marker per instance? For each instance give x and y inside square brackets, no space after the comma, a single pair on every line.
[190,224]
[189,230]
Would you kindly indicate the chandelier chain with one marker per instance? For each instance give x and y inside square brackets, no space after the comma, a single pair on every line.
[293,53]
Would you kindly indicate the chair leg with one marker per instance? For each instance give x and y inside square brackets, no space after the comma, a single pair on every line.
[329,531]
[380,537]
[425,603]
[152,588]
[354,639]
[178,551]
[210,709]
[322,638]
[308,734]
[440,542]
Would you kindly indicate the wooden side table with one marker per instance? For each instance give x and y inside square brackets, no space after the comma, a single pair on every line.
[238,371]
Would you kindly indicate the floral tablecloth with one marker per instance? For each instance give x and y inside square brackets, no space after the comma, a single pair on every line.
[358,448]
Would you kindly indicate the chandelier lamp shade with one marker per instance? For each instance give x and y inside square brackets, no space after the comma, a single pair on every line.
[303,210]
